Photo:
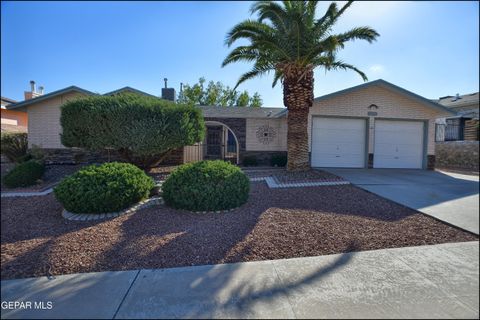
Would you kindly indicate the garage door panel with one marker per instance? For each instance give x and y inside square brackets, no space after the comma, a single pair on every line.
[404,138]
[338,142]
[325,147]
[398,144]
[405,150]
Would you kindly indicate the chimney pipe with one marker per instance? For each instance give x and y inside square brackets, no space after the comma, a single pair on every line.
[32,86]
[165,79]
[40,89]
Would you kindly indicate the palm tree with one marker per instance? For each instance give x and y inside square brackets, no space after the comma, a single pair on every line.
[288,40]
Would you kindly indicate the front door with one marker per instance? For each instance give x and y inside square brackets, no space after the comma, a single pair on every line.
[214,142]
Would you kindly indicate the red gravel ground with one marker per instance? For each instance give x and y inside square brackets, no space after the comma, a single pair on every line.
[274,223]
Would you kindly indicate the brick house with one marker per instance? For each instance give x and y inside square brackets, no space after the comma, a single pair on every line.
[373,125]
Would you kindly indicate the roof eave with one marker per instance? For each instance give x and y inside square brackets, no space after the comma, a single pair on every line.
[47,96]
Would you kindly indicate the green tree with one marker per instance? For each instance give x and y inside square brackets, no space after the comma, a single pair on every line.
[288,40]
[243,99]
[214,94]
[256,101]
[143,129]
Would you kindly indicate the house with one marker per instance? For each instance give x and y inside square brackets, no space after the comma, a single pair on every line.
[373,125]
[12,121]
[464,125]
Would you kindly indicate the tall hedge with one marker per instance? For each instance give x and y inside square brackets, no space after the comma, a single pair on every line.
[143,129]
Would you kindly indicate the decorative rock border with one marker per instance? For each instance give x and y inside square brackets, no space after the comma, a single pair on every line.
[273,183]
[26,194]
[94,216]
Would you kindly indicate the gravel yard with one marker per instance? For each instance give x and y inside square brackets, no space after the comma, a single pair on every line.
[274,223]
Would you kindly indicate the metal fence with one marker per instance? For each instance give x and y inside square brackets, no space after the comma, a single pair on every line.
[448,132]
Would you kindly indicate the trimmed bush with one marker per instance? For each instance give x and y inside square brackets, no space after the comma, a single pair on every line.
[24,174]
[109,187]
[278,160]
[15,146]
[206,186]
[142,129]
[250,161]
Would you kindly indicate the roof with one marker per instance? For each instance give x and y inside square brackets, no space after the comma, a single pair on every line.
[462,101]
[47,96]
[390,86]
[241,112]
[129,89]
[8,100]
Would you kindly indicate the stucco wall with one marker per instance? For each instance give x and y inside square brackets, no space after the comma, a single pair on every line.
[390,105]
[15,121]
[44,122]
[277,141]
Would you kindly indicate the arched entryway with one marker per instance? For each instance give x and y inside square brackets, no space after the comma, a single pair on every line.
[220,143]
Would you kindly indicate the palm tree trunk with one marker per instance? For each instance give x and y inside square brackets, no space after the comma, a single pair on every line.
[298,98]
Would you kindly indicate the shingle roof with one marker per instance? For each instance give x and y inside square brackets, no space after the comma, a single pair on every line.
[390,86]
[50,95]
[242,112]
[129,89]
[8,100]
[466,99]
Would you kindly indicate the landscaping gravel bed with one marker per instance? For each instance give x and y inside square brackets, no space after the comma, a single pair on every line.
[273,224]
[161,173]
[53,174]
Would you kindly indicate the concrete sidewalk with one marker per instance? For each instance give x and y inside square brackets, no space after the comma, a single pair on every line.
[447,196]
[439,281]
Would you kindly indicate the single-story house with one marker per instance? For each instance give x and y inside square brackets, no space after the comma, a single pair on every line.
[12,121]
[464,124]
[373,125]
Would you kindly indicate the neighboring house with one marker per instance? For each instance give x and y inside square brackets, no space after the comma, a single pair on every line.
[373,125]
[462,126]
[12,121]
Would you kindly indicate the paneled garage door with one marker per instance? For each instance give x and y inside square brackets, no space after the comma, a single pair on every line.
[398,144]
[338,142]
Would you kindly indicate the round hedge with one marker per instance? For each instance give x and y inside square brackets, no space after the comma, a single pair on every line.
[206,186]
[24,174]
[109,187]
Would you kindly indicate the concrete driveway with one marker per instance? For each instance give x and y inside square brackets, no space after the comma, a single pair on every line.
[450,197]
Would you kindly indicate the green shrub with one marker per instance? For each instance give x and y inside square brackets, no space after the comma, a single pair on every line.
[109,187]
[250,161]
[206,186]
[278,160]
[14,146]
[24,174]
[142,129]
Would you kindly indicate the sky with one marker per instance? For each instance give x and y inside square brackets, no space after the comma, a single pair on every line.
[430,48]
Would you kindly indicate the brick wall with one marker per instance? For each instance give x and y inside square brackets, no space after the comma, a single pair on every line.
[44,122]
[77,156]
[238,126]
[390,105]
[263,157]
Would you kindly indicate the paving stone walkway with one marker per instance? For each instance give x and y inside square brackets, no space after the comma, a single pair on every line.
[437,281]
[275,183]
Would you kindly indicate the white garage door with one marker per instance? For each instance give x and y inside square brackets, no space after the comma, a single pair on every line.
[398,144]
[338,142]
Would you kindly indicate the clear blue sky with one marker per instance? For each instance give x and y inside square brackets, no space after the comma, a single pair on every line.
[430,48]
